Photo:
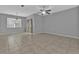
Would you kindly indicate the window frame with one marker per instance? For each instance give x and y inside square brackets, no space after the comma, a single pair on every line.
[14,23]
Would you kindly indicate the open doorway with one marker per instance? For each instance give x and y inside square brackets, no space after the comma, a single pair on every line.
[29,28]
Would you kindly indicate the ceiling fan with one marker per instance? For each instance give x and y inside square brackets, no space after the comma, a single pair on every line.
[45,11]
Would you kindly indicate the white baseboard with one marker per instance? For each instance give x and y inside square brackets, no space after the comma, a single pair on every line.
[76,37]
[67,35]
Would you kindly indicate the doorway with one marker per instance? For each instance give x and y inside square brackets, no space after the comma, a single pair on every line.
[29,28]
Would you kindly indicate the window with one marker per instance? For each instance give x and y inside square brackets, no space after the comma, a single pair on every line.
[13,23]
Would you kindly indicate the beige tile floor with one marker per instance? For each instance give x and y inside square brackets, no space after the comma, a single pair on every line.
[37,44]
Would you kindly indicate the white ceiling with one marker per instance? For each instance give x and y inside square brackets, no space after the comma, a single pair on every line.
[30,9]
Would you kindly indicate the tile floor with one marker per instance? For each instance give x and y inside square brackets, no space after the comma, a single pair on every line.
[37,44]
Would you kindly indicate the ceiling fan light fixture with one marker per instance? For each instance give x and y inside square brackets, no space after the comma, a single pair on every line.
[45,11]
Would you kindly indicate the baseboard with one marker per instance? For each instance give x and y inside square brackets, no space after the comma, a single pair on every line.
[66,35]
[70,36]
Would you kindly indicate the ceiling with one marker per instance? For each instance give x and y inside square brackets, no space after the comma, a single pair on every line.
[30,9]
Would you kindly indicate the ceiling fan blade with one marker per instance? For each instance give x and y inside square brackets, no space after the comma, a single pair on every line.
[48,13]
[48,10]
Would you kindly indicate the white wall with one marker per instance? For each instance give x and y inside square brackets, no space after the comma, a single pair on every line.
[65,22]
[37,23]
